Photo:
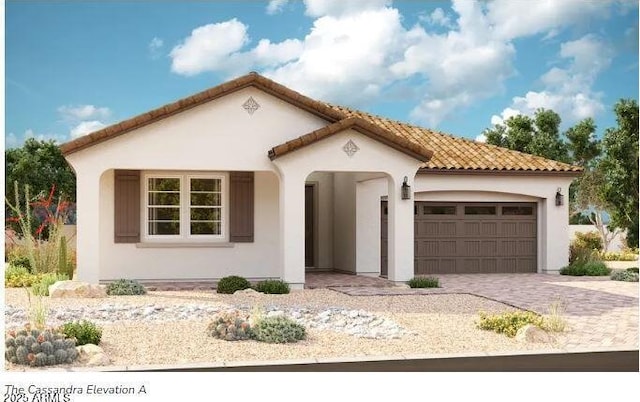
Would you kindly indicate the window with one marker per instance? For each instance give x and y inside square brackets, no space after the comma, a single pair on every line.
[439,210]
[517,210]
[479,210]
[184,206]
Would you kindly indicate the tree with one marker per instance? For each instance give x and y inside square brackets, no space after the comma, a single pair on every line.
[40,165]
[619,166]
[539,135]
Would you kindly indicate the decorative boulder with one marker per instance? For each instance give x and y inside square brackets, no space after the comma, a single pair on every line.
[531,333]
[70,289]
[247,292]
[92,355]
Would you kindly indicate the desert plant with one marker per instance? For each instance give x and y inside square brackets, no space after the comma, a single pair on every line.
[38,311]
[272,287]
[231,284]
[43,255]
[230,325]
[84,332]
[618,256]
[588,240]
[422,282]
[278,329]
[633,269]
[36,347]
[554,321]
[586,268]
[41,287]
[18,277]
[125,287]
[19,258]
[625,276]
[65,265]
[510,322]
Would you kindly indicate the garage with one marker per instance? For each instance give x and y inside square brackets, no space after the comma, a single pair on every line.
[468,238]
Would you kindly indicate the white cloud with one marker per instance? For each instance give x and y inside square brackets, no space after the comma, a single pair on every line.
[438,17]
[208,48]
[355,50]
[276,6]
[155,47]
[11,141]
[83,112]
[481,138]
[86,127]
[338,8]
[568,90]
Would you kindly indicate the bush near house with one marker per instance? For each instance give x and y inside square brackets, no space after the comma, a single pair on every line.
[231,284]
[420,282]
[125,287]
[85,332]
[625,276]
[633,269]
[618,256]
[18,277]
[276,287]
[586,268]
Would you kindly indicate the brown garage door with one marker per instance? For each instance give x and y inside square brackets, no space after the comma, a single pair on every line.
[470,238]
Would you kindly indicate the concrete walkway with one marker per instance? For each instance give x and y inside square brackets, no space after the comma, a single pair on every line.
[600,312]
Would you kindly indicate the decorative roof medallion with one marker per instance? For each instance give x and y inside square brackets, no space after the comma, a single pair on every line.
[350,148]
[250,105]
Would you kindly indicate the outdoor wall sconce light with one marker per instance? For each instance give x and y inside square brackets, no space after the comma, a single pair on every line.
[406,190]
[559,198]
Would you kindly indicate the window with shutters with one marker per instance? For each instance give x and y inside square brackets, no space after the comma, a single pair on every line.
[184,206]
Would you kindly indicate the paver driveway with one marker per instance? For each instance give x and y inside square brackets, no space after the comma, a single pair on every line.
[600,312]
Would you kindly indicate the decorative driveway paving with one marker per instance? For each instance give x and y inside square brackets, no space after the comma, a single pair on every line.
[600,312]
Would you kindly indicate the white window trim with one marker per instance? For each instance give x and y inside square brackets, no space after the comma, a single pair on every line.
[185,235]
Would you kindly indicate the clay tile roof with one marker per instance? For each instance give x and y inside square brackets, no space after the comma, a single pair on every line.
[460,154]
[438,151]
[363,126]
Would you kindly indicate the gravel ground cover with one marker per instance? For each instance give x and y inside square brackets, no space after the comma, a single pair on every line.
[428,324]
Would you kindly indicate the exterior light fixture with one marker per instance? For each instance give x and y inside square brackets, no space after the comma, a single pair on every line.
[559,197]
[406,190]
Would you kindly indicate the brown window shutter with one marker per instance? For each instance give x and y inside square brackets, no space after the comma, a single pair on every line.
[127,206]
[241,207]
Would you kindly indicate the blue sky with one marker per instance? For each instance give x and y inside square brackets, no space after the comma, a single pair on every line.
[74,67]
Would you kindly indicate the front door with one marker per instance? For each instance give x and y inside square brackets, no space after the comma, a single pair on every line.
[309,229]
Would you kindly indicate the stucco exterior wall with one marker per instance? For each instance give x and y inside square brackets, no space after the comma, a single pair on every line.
[344,222]
[324,218]
[251,260]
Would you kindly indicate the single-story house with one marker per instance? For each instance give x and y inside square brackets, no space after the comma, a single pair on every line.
[254,179]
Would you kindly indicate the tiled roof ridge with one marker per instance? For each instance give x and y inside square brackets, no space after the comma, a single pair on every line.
[374,116]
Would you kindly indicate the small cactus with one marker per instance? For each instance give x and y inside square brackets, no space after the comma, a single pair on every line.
[36,348]
[9,352]
[61,356]
[51,360]
[29,340]
[47,347]
[20,340]
[40,338]
[230,325]
[69,343]
[23,332]
[41,359]
[73,353]
[10,342]
[21,355]
[58,344]
[35,333]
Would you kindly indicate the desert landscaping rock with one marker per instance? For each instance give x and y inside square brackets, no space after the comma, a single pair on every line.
[92,355]
[73,289]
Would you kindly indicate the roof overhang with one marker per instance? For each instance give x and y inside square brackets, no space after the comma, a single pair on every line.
[514,172]
[360,125]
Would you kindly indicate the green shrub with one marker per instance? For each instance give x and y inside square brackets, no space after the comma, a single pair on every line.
[18,277]
[41,288]
[84,332]
[625,276]
[588,240]
[587,268]
[275,287]
[419,282]
[125,287]
[231,284]
[633,269]
[232,325]
[618,256]
[20,260]
[278,329]
[33,347]
[509,323]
